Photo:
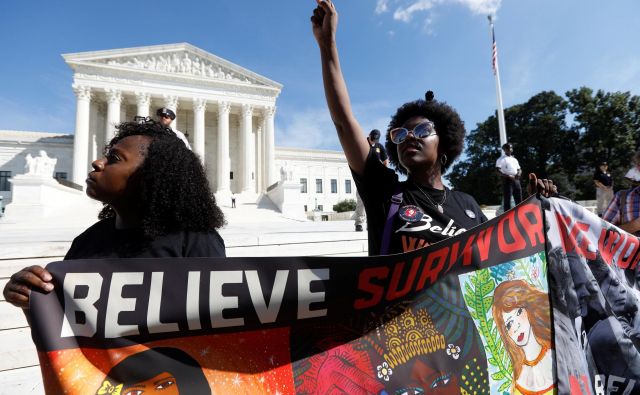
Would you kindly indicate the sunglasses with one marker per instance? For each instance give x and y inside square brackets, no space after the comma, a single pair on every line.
[421,131]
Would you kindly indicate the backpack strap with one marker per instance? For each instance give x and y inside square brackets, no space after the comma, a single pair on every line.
[396,201]
[623,205]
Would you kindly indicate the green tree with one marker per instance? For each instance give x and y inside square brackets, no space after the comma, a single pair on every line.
[609,128]
[477,175]
[344,205]
[542,142]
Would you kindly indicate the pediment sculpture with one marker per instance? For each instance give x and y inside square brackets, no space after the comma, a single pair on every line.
[179,63]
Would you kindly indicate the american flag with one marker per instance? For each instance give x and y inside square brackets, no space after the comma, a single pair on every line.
[494,50]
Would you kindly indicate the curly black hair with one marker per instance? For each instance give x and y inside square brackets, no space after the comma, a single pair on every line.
[171,186]
[449,127]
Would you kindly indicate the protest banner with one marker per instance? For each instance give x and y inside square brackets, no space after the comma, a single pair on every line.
[540,299]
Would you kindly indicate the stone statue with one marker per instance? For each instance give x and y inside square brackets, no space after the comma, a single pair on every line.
[210,72]
[41,165]
[175,64]
[286,173]
[185,66]
[30,166]
[195,68]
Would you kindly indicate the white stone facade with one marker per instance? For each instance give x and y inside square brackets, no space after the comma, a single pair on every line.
[306,164]
[330,167]
[16,145]
[226,111]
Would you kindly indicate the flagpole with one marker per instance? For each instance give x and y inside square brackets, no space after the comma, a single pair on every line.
[496,72]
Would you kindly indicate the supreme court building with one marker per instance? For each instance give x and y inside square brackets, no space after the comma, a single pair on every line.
[226,111]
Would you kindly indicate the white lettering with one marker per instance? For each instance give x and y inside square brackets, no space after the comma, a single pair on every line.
[193,301]
[447,231]
[461,230]
[598,384]
[612,384]
[630,387]
[218,302]
[266,313]
[446,228]
[306,297]
[70,326]
[117,304]
[153,312]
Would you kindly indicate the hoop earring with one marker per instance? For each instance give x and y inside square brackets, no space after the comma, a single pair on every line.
[443,160]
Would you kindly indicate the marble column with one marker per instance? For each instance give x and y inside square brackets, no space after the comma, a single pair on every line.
[246,126]
[224,163]
[258,160]
[269,147]
[81,137]
[96,141]
[199,108]
[143,100]
[114,99]
[171,102]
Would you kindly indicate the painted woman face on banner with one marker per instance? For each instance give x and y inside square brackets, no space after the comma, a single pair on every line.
[432,347]
[413,356]
[162,384]
[161,370]
[517,325]
[423,379]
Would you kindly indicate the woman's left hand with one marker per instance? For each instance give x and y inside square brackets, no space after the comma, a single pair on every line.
[544,186]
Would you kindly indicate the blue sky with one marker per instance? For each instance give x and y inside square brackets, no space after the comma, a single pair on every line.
[392,52]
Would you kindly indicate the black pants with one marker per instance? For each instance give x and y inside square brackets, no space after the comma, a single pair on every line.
[510,187]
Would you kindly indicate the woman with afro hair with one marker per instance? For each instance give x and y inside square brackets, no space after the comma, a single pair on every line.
[157,203]
[423,138]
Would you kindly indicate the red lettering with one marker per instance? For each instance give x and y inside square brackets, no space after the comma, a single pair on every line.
[365,284]
[422,243]
[570,239]
[484,242]
[631,249]
[568,244]
[518,241]
[432,267]
[579,233]
[394,292]
[408,243]
[412,243]
[634,262]
[609,243]
[534,231]
[466,253]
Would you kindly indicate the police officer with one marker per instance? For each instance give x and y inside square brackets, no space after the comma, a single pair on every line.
[165,117]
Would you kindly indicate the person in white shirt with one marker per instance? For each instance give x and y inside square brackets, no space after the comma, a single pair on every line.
[633,174]
[509,170]
[165,117]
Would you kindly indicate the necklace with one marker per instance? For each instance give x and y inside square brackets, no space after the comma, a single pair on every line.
[543,351]
[436,205]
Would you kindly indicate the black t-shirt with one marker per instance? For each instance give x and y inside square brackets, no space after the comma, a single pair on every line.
[103,240]
[380,152]
[379,184]
[604,178]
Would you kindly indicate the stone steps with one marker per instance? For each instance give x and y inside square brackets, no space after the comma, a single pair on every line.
[274,236]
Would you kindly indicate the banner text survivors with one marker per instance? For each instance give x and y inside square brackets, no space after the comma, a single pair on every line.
[517,230]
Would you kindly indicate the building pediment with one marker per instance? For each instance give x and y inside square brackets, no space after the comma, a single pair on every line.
[173,61]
